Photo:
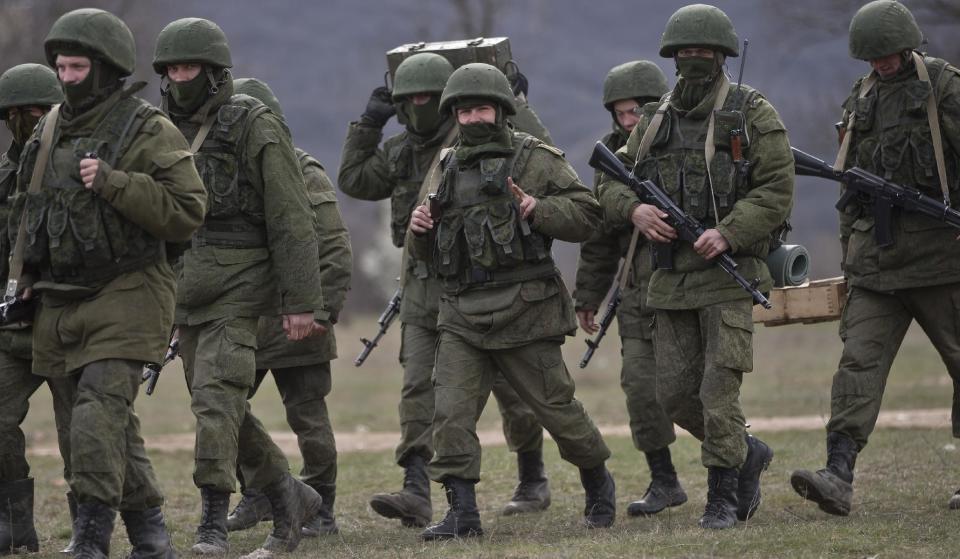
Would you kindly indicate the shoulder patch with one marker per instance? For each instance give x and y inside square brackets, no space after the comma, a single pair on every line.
[554,150]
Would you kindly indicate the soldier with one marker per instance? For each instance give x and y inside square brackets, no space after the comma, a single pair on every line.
[398,171]
[626,89]
[302,369]
[888,119]
[703,319]
[119,173]
[255,255]
[505,310]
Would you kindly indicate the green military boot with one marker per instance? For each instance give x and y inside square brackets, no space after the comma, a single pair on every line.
[148,534]
[721,510]
[412,503]
[72,506]
[253,508]
[759,456]
[533,492]
[600,509]
[16,517]
[664,489]
[954,502]
[212,531]
[832,487]
[462,519]
[94,527]
[293,503]
[324,523]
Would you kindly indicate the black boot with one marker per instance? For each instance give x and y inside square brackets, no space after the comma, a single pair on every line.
[533,492]
[954,502]
[72,506]
[147,534]
[412,503]
[94,527]
[16,517]
[212,531]
[252,509]
[324,523]
[664,489]
[832,487]
[292,503]
[721,509]
[759,456]
[601,497]
[462,519]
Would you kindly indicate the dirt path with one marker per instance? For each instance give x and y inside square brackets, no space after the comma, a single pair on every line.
[378,442]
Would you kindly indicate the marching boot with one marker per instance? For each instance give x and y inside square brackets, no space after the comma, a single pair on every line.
[533,492]
[832,487]
[293,503]
[462,519]
[148,534]
[16,517]
[324,523]
[212,531]
[664,489]
[93,529]
[252,509]
[954,502]
[759,456]
[600,509]
[72,505]
[412,503]
[721,510]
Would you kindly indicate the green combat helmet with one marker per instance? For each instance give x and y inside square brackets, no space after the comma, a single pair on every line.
[478,80]
[260,91]
[28,85]
[699,25]
[421,73]
[89,29]
[633,80]
[882,28]
[191,39]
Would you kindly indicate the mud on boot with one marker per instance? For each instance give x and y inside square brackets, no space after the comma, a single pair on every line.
[664,489]
[253,508]
[148,534]
[212,531]
[600,508]
[16,517]
[759,456]
[293,503]
[324,523]
[533,492]
[93,530]
[832,487]
[412,503]
[721,509]
[462,519]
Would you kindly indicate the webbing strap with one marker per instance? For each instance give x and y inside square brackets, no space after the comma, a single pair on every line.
[934,119]
[865,86]
[710,146]
[202,133]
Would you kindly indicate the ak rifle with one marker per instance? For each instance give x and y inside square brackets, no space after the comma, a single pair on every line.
[385,320]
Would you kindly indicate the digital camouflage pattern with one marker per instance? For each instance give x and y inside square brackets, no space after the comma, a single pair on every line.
[94,30]
[881,28]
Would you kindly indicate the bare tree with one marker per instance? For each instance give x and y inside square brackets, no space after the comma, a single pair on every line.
[476,18]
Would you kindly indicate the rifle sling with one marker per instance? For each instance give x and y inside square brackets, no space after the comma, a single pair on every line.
[934,119]
[865,86]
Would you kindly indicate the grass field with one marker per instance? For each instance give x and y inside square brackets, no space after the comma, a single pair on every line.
[904,478]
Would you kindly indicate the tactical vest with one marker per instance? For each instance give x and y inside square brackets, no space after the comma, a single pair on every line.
[235,212]
[408,167]
[892,133]
[73,235]
[8,187]
[481,238]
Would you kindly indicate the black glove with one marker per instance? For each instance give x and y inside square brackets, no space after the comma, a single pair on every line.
[519,83]
[379,108]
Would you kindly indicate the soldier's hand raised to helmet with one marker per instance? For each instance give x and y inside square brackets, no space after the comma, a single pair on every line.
[379,107]
[649,220]
[420,220]
[527,202]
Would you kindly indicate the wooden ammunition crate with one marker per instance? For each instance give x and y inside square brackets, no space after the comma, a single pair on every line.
[815,301]
[492,50]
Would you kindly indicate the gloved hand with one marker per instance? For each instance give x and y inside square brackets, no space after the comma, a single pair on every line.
[519,83]
[379,107]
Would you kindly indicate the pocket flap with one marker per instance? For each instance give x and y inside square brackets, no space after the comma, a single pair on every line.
[229,256]
[169,159]
[735,319]
[538,290]
[241,336]
[862,225]
[317,198]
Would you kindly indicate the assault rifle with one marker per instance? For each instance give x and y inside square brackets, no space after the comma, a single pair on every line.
[878,193]
[151,371]
[688,228]
[605,321]
[385,320]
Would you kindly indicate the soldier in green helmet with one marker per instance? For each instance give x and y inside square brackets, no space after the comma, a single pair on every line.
[255,255]
[120,173]
[301,369]
[902,122]
[505,310]
[399,171]
[739,184]
[626,89]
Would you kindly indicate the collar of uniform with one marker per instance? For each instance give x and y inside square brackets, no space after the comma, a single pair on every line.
[86,122]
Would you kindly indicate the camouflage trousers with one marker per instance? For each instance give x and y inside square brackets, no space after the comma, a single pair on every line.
[872,328]
[650,427]
[218,361]
[304,390]
[418,345]
[701,356]
[464,377]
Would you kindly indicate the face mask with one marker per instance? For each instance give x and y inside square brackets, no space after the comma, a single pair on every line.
[422,119]
[21,125]
[479,133]
[77,94]
[189,95]
[696,68]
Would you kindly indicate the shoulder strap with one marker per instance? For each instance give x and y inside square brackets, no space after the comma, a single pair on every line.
[710,146]
[865,86]
[933,118]
[36,179]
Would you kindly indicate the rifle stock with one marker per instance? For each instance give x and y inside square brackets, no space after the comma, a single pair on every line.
[608,314]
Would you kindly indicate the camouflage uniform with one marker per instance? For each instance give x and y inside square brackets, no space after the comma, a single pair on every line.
[917,278]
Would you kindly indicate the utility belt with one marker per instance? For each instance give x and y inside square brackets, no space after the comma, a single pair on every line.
[102,274]
[475,276]
[235,233]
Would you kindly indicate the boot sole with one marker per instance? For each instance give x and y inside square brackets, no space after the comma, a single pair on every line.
[470,533]
[809,491]
[387,509]
[525,507]
[635,513]
[756,499]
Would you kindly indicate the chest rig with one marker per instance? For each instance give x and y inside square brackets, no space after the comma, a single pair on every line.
[8,187]
[235,212]
[481,238]
[74,235]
